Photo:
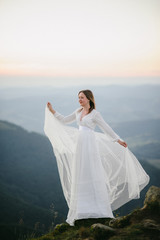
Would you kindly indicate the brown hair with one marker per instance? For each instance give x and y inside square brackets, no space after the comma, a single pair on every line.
[89,95]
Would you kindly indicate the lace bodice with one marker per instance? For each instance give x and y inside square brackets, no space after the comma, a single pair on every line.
[90,120]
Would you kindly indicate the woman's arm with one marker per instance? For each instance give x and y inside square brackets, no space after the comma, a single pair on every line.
[68,119]
[107,129]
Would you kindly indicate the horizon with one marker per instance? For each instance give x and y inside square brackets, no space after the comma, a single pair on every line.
[25,81]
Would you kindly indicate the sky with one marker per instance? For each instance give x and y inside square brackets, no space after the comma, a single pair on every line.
[58,40]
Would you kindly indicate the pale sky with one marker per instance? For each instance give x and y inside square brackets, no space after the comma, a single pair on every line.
[80,38]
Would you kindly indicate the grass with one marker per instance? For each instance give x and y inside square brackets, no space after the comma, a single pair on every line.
[129,227]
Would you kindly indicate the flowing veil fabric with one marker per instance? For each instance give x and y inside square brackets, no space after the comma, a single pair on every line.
[63,140]
[109,168]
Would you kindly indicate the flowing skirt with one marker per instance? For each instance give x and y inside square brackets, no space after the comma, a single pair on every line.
[97,175]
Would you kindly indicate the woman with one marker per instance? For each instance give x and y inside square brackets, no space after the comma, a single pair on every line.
[97,170]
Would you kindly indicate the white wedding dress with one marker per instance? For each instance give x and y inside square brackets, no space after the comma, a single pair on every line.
[98,175]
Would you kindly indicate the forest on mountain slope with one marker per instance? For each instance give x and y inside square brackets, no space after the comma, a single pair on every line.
[31,197]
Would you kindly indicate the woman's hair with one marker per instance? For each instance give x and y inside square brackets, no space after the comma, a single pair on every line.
[89,95]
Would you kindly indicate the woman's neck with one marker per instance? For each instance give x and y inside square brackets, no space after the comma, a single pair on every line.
[86,108]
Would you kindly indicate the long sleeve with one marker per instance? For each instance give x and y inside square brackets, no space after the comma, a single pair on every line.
[65,119]
[105,127]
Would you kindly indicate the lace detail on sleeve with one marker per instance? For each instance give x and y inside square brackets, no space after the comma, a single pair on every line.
[105,127]
[65,119]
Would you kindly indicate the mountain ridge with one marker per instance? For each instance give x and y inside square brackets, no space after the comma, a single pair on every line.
[29,178]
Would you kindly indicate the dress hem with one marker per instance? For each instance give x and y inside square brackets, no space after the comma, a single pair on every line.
[72,223]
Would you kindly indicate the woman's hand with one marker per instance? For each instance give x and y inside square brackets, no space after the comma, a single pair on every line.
[124,144]
[50,107]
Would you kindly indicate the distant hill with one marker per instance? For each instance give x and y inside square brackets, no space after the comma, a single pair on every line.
[143,137]
[30,189]
[29,180]
[148,128]
[117,103]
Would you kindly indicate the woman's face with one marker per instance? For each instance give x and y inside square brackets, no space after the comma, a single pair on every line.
[83,100]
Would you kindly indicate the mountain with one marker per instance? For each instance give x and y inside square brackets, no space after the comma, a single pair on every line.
[30,191]
[25,106]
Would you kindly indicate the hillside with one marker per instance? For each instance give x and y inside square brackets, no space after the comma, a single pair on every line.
[143,138]
[142,223]
[30,189]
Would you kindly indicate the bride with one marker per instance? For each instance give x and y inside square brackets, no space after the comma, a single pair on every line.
[98,172]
